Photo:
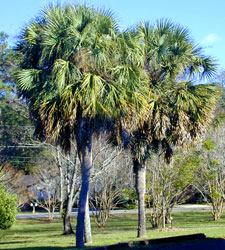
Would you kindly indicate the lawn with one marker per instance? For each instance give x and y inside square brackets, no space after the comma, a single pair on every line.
[42,234]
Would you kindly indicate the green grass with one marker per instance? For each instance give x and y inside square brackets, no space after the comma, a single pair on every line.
[42,234]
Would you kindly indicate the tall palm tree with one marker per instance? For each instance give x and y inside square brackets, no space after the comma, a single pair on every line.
[74,79]
[180,111]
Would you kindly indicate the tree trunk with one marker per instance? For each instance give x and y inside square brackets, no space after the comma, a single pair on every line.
[70,182]
[163,213]
[167,219]
[87,224]
[140,176]
[67,228]
[217,209]
[61,190]
[59,165]
[86,164]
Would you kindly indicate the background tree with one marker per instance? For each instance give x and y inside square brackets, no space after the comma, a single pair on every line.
[211,176]
[70,182]
[111,174]
[47,188]
[168,184]
[15,126]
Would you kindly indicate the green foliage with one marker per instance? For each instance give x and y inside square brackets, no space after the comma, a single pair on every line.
[129,197]
[7,208]
[15,125]
[208,145]
[218,120]
[186,167]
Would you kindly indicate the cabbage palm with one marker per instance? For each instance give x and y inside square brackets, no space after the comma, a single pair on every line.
[180,110]
[75,81]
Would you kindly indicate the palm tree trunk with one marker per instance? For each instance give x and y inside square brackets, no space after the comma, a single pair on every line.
[86,164]
[140,176]
[87,224]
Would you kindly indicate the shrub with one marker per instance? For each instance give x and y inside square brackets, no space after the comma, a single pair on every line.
[7,208]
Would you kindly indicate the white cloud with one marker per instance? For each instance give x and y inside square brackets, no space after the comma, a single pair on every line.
[211,38]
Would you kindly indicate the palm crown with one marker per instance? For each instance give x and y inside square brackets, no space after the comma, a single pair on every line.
[73,66]
[180,109]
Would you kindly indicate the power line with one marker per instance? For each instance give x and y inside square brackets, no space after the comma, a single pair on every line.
[23,157]
[12,125]
[31,162]
[25,146]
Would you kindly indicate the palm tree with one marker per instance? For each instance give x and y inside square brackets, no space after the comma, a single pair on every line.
[180,111]
[74,81]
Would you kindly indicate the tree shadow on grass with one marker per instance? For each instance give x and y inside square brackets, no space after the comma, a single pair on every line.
[182,242]
[43,248]
[34,248]
[207,244]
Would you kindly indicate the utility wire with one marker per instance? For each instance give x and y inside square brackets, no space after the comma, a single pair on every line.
[25,146]
[12,125]
[29,162]
[23,157]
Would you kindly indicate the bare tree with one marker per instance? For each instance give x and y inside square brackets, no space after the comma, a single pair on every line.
[69,175]
[211,177]
[110,175]
[167,184]
[47,190]
[106,191]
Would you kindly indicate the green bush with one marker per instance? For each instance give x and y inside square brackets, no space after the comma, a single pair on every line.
[7,208]
[129,199]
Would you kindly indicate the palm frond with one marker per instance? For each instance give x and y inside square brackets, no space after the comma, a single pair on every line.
[27,78]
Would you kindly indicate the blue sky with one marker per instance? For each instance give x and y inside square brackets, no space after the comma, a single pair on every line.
[205,19]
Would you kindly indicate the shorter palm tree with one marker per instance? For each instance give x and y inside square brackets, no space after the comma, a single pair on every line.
[179,110]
